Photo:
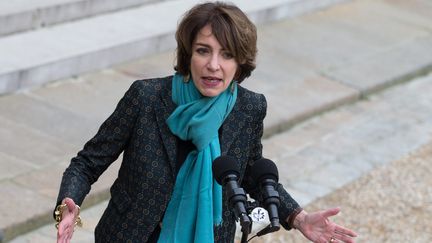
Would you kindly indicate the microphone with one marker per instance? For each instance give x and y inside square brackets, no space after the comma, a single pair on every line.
[265,173]
[226,172]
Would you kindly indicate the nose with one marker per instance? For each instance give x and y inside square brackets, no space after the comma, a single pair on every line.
[213,64]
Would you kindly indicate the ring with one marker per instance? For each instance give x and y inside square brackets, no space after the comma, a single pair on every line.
[332,239]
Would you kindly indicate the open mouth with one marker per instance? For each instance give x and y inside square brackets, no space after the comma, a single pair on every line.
[212,79]
[211,82]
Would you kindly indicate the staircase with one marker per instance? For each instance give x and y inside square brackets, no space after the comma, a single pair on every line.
[47,40]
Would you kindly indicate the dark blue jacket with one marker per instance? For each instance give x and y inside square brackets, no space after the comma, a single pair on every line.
[140,194]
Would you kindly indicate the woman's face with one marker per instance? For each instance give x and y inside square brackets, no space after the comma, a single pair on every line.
[212,67]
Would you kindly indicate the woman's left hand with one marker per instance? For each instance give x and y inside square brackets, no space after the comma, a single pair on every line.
[318,228]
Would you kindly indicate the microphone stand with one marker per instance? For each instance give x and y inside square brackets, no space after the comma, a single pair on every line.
[248,228]
[237,198]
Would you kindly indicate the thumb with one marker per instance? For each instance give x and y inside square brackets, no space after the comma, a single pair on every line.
[70,204]
[330,212]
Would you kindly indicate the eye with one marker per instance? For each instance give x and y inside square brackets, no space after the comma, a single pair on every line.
[227,55]
[202,50]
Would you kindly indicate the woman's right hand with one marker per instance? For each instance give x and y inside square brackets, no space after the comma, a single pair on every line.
[67,224]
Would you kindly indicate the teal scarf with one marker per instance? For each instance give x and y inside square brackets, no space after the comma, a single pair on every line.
[196,204]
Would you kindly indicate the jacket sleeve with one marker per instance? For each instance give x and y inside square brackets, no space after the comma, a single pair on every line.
[102,150]
[288,206]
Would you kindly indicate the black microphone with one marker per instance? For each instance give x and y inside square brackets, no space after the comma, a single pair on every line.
[226,172]
[265,173]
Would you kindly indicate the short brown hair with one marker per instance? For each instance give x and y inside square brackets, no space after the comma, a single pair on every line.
[231,27]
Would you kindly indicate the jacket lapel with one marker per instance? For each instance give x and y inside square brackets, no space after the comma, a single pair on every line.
[165,109]
[232,126]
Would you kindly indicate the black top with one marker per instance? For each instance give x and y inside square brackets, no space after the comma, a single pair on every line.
[183,149]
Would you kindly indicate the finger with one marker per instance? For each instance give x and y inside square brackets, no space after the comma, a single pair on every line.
[345,231]
[60,229]
[65,236]
[62,237]
[70,229]
[59,237]
[322,239]
[70,233]
[62,232]
[69,236]
[333,239]
[343,238]
[64,227]
[330,212]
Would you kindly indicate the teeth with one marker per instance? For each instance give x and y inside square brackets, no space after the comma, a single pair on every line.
[213,80]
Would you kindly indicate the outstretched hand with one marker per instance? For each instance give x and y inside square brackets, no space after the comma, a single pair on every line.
[318,228]
[67,224]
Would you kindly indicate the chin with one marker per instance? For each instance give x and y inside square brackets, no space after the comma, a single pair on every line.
[209,93]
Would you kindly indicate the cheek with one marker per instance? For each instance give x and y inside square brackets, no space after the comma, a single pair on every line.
[193,64]
[233,69]
[196,64]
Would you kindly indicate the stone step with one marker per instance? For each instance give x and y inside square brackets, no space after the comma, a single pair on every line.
[21,15]
[36,57]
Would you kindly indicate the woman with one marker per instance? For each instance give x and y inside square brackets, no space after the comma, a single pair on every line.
[170,130]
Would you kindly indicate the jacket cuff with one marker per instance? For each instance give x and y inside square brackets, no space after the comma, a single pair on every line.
[291,217]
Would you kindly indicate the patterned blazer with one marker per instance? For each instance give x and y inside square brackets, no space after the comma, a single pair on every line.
[142,190]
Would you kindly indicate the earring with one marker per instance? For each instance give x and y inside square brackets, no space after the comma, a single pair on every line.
[233,84]
[186,78]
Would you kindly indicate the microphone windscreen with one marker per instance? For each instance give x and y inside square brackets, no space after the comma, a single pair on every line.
[223,166]
[264,169]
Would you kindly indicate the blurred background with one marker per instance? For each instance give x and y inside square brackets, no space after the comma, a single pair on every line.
[347,82]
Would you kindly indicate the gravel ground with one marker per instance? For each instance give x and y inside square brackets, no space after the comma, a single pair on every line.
[393,203]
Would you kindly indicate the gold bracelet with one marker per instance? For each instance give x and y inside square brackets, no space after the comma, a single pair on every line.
[78,220]
[58,214]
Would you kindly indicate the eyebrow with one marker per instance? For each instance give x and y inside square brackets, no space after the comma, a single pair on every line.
[202,44]
[208,46]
